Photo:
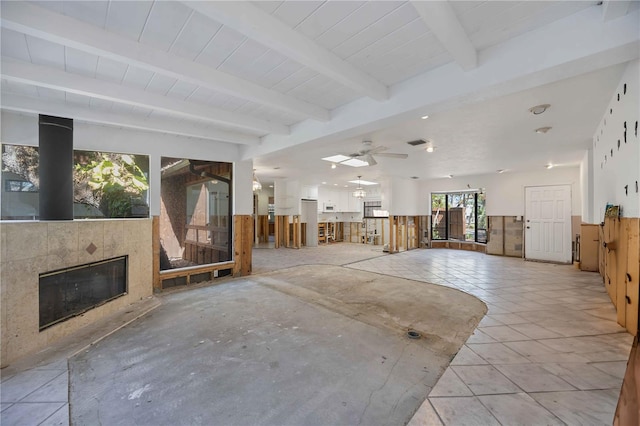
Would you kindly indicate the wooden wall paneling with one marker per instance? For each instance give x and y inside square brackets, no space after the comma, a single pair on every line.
[242,244]
[631,275]
[622,228]
[601,251]
[610,260]
[155,243]
[628,408]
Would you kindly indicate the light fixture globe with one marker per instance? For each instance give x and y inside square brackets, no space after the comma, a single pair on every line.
[359,192]
[257,186]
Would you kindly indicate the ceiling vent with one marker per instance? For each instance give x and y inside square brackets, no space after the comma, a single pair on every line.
[417,142]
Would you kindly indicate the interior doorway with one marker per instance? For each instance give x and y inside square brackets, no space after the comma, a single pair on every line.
[548,223]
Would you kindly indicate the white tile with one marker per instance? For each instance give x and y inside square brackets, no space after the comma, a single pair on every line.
[485,379]
[584,376]
[580,407]
[533,378]
[518,409]
[466,356]
[479,337]
[425,416]
[463,411]
[497,353]
[450,384]
[503,333]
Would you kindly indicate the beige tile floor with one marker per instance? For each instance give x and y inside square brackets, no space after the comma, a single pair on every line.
[548,351]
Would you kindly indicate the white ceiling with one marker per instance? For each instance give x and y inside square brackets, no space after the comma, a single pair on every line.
[290,82]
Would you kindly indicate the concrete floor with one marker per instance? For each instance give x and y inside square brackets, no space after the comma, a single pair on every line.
[548,352]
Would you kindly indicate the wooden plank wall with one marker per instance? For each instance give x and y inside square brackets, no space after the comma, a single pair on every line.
[620,268]
[628,409]
[155,241]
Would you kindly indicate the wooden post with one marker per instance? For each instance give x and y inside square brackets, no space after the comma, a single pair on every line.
[155,242]
[287,235]
[621,266]
[631,275]
[296,231]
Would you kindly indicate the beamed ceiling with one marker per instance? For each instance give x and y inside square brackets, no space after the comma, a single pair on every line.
[291,82]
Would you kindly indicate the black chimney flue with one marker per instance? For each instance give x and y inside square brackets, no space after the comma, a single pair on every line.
[56,168]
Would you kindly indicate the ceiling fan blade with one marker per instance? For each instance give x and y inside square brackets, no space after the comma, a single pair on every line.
[393,155]
[369,159]
[377,149]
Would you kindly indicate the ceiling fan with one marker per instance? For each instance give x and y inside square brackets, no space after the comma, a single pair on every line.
[368,151]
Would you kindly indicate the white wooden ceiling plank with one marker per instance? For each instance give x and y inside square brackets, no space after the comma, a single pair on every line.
[294,12]
[53,5]
[160,84]
[441,19]
[14,45]
[33,20]
[327,16]
[218,100]
[73,99]
[233,104]
[110,70]
[195,36]
[200,95]
[242,58]
[279,73]
[127,18]
[385,25]
[163,26]
[614,9]
[93,12]
[295,79]
[270,31]
[391,41]
[79,62]
[225,42]
[268,6]
[104,104]
[181,90]
[121,108]
[101,114]
[46,93]
[481,16]
[137,77]
[356,22]
[262,65]
[44,52]
[420,47]
[54,79]
[18,88]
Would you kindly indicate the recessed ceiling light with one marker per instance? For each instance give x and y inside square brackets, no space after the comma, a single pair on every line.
[270,186]
[424,117]
[501,171]
[542,130]
[276,168]
[431,148]
[335,184]
[539,109]
[333,165]
[324,183]
[549,166]
[414,177]
[346,186]
[450,176]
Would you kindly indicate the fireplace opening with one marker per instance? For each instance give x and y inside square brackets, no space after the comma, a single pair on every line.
[69,292]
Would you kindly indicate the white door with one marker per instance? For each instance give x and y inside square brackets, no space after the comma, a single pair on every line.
[548,223]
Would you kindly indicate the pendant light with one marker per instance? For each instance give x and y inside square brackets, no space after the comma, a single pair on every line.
[359,192]
[257,186]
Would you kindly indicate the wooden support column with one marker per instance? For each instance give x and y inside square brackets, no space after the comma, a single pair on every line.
[276,231]
[287,235]
[242,244]
[632,275]
[296,231]
[621,266]
[155,243]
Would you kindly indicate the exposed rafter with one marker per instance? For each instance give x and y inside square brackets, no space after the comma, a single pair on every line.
[443,22]
[52,78]
[258,25]
[614,9]
[47,25]
[12,102]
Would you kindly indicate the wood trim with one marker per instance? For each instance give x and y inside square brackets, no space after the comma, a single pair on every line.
[195,270]
[155,243]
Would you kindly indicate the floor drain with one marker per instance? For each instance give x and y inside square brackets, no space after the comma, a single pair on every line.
[412,334]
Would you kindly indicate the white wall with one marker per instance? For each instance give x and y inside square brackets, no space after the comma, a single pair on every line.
[22,129]
[586,186]
[243,187]
[505,192]
[611,173]
[263,200]
[404,197]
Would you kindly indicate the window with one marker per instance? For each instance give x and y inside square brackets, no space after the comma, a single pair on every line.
[373,209]
[459,216]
